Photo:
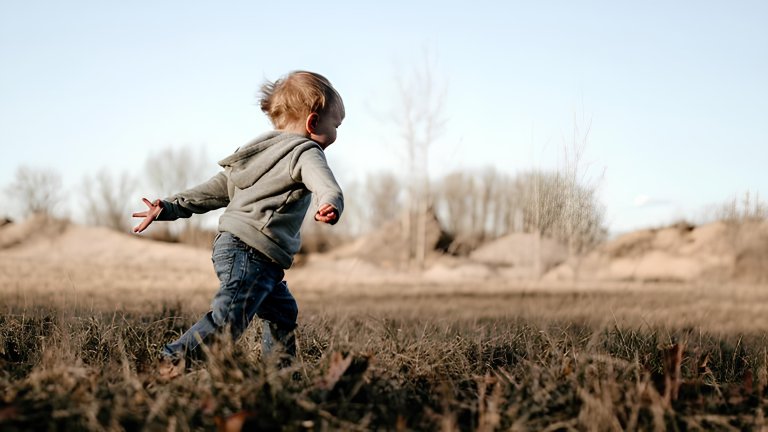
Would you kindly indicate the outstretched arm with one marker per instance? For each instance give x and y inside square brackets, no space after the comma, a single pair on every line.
[203,198]
[200,199]
[153,211]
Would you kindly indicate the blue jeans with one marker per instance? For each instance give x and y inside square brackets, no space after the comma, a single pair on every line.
[250,284]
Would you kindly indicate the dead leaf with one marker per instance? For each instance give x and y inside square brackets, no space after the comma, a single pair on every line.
[400,424]
[8,413]
[233,423]
[567,368]
[336,368]
[748,384]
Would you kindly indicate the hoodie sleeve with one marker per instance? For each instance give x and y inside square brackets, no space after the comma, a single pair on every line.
[205,197]
[312,169]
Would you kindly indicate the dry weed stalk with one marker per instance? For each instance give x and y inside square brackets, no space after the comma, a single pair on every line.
[673,360]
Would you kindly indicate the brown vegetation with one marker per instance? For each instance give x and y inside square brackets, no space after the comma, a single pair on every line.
[71,368]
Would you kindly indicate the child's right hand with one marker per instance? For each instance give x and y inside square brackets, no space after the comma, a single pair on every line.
[149,216]
[327,214]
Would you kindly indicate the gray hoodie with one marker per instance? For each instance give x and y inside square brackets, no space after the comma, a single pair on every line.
[266,186]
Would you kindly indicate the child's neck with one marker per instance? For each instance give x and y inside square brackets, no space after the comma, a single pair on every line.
[298,129]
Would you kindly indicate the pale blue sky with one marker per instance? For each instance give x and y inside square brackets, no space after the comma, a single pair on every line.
[677,93]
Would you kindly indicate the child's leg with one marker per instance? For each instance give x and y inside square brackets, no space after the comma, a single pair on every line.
[191,339]
[279,312]
[245,281]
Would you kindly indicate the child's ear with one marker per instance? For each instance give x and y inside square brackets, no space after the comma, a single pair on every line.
[312,121]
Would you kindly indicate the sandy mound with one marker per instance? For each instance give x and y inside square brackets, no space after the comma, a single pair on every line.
[519,250]
[713,252]
[72,260]
[35,227]
[389,245]
[60,241]
[381,257]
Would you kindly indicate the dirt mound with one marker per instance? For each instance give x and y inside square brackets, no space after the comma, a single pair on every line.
[520,250]
[71,260]
[389,245]
[33,228]
[715,252]
[5,221]
[98,246]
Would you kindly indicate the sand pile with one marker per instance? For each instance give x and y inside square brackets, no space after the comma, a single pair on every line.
[521,250]
[39,255]
[508,258]
[35,227]
[389,245]
[55,240]
[714,252]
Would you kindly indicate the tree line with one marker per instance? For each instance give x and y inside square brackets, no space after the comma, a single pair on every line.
[108,197]
[481,205]
[472,206]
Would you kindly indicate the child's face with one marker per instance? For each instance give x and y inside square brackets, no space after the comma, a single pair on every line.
[322,127]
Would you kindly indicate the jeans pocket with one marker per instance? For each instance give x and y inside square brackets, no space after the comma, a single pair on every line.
[223,264]
[213,246]
[223,255]
[225,244]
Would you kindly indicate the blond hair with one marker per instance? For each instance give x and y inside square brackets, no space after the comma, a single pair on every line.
[295,96]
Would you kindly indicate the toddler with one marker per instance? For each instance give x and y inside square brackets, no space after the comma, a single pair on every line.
[267,187]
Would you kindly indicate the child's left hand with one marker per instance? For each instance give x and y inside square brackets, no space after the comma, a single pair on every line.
[327,214]
[154,209]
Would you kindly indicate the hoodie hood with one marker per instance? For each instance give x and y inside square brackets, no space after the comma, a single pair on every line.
[251,161]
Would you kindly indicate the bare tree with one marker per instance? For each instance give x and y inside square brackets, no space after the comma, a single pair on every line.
[478,206]
[487,184]
[173,170]
[455,196]
[420,116]
[37,190]
[507,216]
[383,191]
[107,199]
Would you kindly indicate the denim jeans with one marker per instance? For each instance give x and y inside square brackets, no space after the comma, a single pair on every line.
[250,284]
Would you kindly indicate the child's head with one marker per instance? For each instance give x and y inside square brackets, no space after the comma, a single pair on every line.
[303,101]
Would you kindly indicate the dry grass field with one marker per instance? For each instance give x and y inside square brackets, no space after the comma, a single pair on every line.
[84,312]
